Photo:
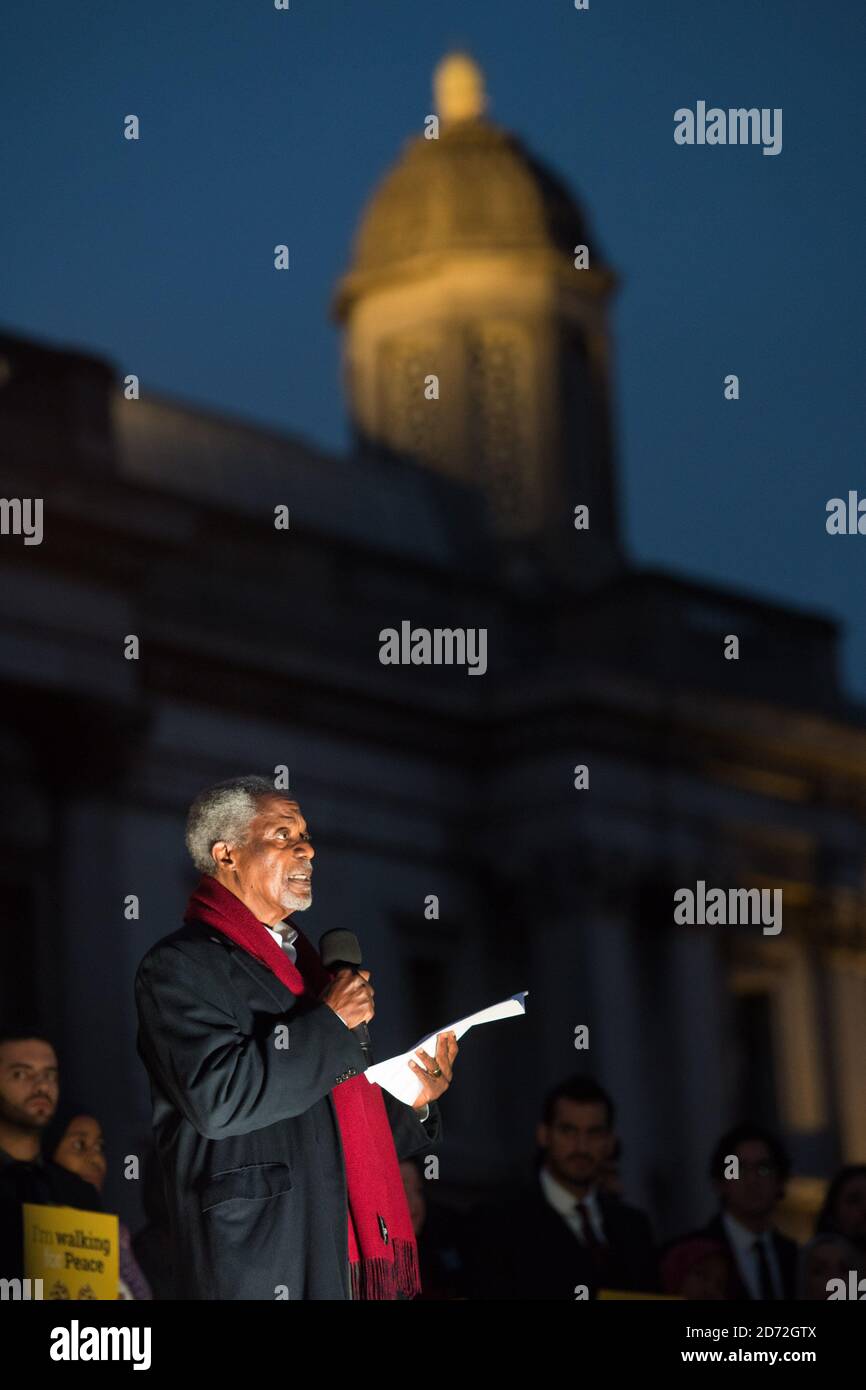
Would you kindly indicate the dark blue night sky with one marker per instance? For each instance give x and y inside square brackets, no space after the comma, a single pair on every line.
[261,127]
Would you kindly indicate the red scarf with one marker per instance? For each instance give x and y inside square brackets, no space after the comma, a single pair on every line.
[374,1186]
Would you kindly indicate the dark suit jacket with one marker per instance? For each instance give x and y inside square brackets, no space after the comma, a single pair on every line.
[44,1182]
[785,1251]
[524,1249]
[246,1132]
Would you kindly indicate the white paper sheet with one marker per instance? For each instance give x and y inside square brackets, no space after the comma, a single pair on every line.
[395,1074]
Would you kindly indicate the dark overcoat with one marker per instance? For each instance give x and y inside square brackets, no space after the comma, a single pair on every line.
[246,1131]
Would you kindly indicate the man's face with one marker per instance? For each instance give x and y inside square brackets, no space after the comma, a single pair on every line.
[578,1142]
[28,1083]
[758,1188]
[271,872]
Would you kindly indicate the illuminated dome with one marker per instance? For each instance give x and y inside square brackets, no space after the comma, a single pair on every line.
[475,188]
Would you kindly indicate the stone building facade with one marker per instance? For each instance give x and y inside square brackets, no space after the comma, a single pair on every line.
[259,648]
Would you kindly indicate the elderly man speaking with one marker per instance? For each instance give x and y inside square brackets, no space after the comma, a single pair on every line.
[280,1159]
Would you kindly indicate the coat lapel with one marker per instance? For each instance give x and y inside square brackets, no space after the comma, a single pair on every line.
[259,973]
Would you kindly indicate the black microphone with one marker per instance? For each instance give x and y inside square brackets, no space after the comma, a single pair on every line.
[341,950]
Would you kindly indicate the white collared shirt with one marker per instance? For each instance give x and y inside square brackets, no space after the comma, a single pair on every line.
[564,1202]
[742,1243]
[288,939]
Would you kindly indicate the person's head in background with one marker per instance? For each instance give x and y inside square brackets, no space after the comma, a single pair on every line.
[413,1183]
[844,1209]
[825,1257]
[696,1269]
[29,1091]
[78,1144]
[762,1170]
[575,1134]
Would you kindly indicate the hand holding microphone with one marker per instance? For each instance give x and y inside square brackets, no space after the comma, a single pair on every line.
[350,995]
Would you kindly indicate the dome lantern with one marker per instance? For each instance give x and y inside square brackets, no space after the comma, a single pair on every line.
[475,337]
[458,89]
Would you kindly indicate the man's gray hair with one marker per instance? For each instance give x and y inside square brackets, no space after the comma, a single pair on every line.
[223,812]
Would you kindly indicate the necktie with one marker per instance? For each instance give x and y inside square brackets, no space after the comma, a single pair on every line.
[590,1239]
[283,929]
[600,1254]
[765,1279]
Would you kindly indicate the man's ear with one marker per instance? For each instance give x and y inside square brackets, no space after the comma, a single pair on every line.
[221,854]
[542,1135]
[611,1143]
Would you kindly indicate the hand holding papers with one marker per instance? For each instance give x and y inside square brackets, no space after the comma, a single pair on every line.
[395,1074]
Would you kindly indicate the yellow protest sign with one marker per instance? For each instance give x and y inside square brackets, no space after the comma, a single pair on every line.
[75,1253]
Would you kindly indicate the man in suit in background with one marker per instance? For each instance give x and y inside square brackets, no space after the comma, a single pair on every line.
[29,1094]
[763,1261]
[564,1230]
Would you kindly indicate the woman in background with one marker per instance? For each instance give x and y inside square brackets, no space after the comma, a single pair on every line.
[844,1209]
[81,1149]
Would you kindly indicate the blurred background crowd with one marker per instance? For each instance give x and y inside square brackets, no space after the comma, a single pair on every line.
[569,1230]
